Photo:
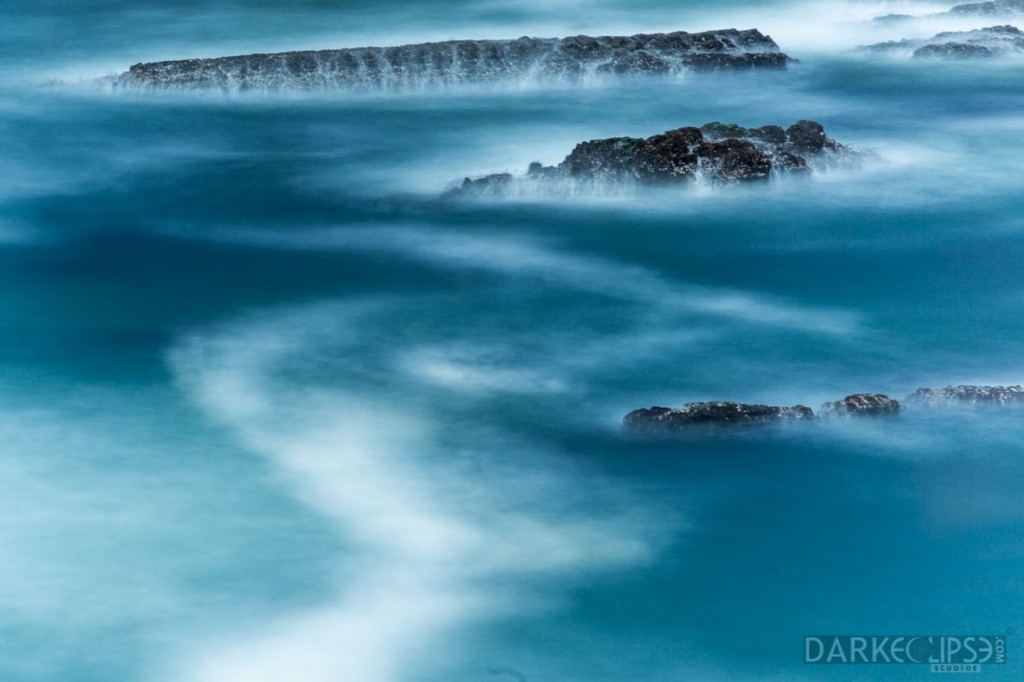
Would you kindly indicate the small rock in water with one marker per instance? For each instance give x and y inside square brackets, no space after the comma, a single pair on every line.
[983,42]
[967,395]
[667,419]
[808,137]
[466,61]
[861,404]
[954,51]
[723,153]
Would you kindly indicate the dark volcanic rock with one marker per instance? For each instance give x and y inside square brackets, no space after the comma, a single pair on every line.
[773,135]
[666,419]
[861,404]
[489,185]
[791,162]
[460,61]
[749,60]
[967,395]
[721,131]
[667,158]
[719,152]
[733,161]
[982,42]
[789,149]
[635,62]
[954,51]
[808,137]
[609,159]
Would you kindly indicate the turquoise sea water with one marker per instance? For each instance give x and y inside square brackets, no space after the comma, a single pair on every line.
[270,411]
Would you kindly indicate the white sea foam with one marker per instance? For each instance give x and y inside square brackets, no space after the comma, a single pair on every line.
[461,369]
[439,510]
[521,257]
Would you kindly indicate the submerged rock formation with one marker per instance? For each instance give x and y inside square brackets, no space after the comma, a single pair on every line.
[461,61]
[861,404]
[667,419]
[994,8]
[718,152]
[890,18]
[982,42]
[967,395]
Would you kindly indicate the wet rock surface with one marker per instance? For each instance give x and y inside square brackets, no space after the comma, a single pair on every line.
[983,42]
[954,51]
[717,152]
[666,419]
[967,395]
[460,61]
[861,404]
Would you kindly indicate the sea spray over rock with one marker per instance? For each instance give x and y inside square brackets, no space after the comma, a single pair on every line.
[666,420]
[655,420]
[717,152]
[724,413]
[967,395]
[861,405]
[466,61]
[993,8]
[983,42]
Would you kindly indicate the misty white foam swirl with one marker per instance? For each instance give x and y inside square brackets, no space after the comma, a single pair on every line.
[439,510]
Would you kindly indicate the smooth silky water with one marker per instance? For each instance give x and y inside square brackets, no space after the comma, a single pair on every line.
[270,410]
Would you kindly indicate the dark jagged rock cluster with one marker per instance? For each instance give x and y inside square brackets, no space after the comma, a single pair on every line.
[873,404]
[982,42]
[953,50]
[725,413]
[718,152]
[967,395]
[667,420]
[461,61]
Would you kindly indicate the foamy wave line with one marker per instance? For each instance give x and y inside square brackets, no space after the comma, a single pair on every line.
[440,513]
